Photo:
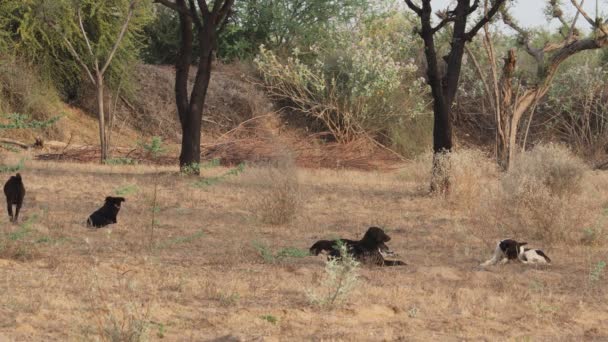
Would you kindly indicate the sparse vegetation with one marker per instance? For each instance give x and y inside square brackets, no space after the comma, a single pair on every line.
[341,277]
[279,197]
[304,134]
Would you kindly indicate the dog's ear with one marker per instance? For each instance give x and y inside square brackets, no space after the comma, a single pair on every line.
[109,199]
[120,199]
[522,243]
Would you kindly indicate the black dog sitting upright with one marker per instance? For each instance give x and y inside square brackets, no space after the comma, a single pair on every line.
[107,214]
[367,250]
[15,192]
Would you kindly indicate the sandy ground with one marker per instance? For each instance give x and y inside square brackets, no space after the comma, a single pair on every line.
[197,275]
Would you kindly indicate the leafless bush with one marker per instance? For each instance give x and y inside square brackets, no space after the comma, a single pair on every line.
[551,166]
[542,197]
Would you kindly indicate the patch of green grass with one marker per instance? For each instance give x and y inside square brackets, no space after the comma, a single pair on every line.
[208,181]
[24,229]
[597,271]
[181,240]
[13,168]
[292,252]
[270,319]
[120,161]
[264,252]
[269,257]
[228,299]
[10,148]
[127,189]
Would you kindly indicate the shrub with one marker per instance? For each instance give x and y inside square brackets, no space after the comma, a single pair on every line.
[577,105]
[341,279]
[355,84]
[541,198]
[551,166]
[279,197]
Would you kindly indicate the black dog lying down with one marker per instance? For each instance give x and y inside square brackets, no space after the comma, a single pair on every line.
[14,192]
[107,214]
[368,250]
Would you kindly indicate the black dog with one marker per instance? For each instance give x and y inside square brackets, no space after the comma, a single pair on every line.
[15,192]
[367,250]
[331,246]
[107,214]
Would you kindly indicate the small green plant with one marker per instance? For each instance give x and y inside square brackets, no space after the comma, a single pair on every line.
[13,168]
[292,252]
[181,240]
[10,148]
[341,278]
[127,189]
[413,312]
[161,330]
[22,121]
[264,252]
[44,239]
[215,162]
[270,319]
[120,161]
[155,147]
[24,229]
[216,179]
[288,252]
[228,299]
[597,272]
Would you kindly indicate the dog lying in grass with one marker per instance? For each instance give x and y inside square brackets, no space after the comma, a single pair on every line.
[14,192]
[511,250]
[107,214]
[370,250]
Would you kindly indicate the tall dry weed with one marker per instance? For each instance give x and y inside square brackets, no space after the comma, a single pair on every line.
[542,197]
[279,197]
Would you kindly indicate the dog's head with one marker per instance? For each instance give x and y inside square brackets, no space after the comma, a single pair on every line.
[512,248]
[376,235]
[115,201]
[16,178]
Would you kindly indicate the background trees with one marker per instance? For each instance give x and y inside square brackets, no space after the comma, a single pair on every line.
[344,70]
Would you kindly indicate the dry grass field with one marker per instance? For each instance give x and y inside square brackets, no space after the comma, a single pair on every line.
[221,259]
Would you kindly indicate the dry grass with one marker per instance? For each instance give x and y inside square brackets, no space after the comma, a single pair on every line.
[204,279]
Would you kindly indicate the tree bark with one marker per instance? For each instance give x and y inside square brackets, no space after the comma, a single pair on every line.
[101,116]
[190,108]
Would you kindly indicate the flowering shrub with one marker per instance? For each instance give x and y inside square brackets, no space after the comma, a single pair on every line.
[356,84]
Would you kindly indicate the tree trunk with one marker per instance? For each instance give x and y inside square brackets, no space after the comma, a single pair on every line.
[190,109]
[101,117]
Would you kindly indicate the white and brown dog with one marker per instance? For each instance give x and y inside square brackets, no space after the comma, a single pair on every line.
[509,249]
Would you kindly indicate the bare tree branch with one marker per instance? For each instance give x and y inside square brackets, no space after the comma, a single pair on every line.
[80,61]
[194,15]
[524,36]
[593,23]
[86,39]
[413,7]
[224,11]
[203,6]
[572,29]
[121,35]
[486,18]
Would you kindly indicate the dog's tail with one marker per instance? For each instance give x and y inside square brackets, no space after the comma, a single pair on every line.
[541,253]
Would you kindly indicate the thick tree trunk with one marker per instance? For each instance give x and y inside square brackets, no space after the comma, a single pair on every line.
[190,156]
[190,108]
[101,118]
